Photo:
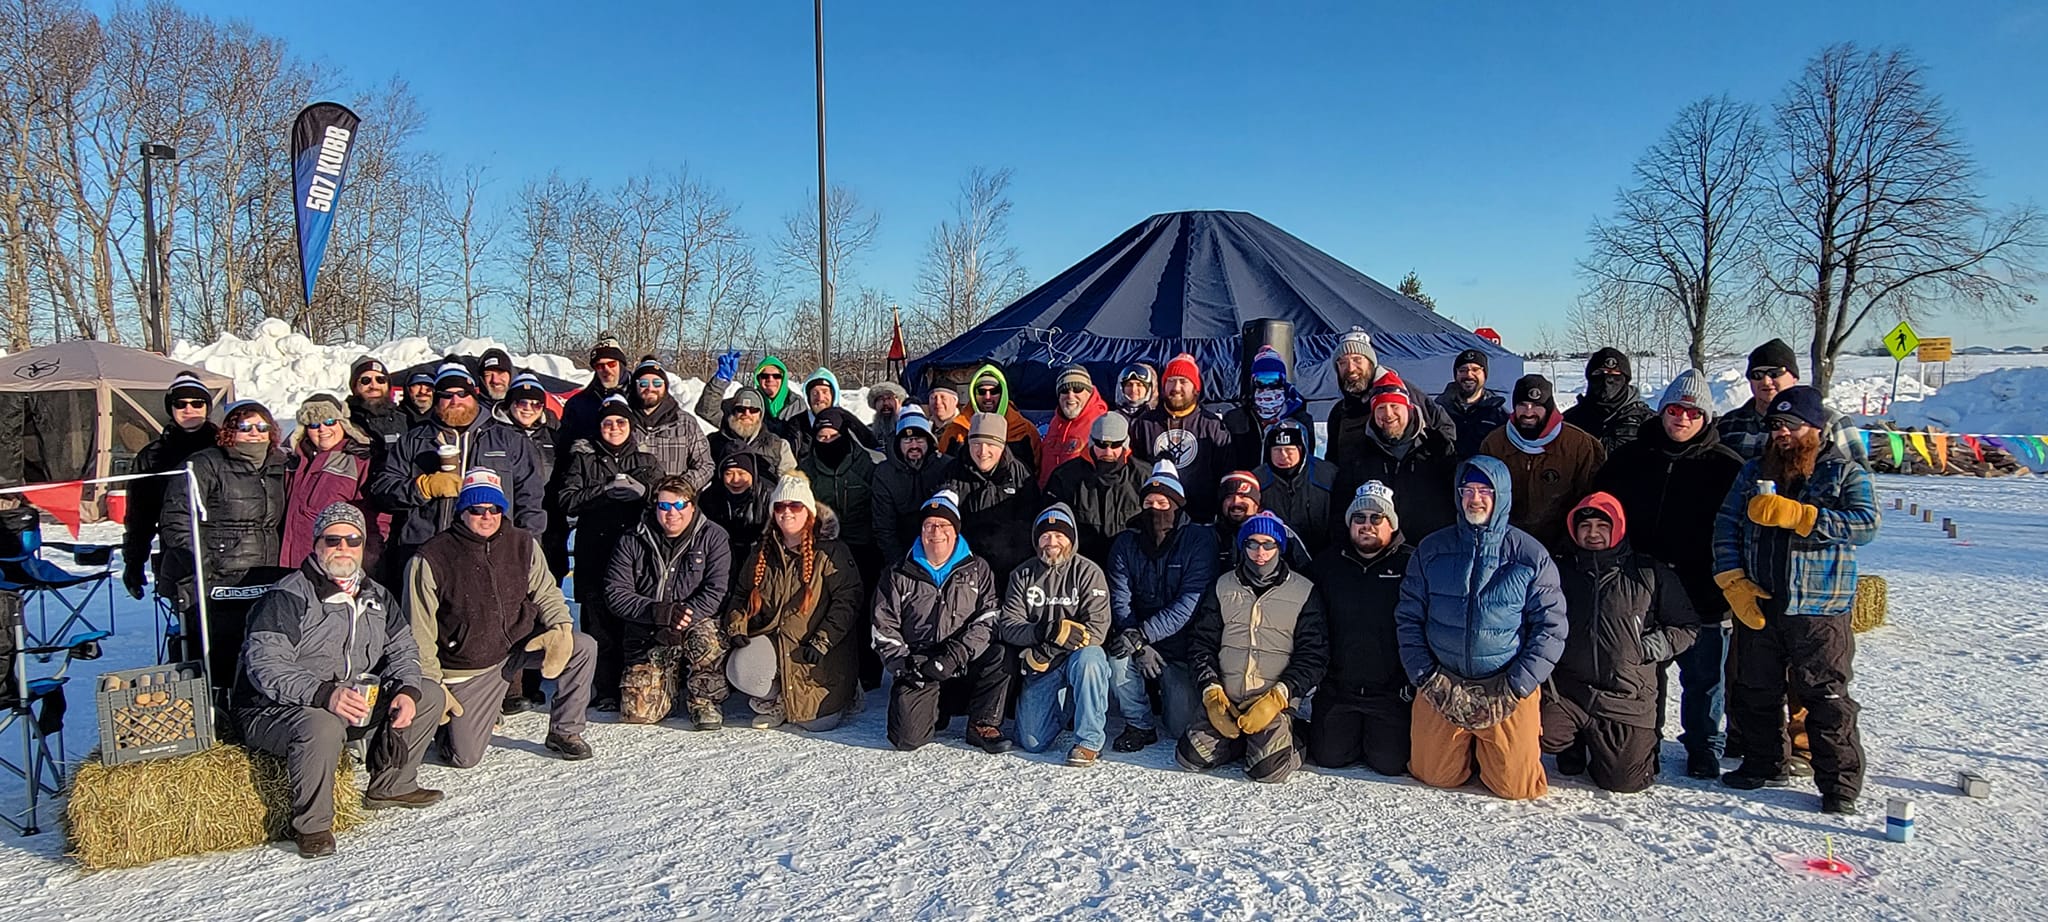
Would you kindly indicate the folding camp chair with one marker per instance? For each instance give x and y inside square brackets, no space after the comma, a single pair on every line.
[35,708]
[41,583]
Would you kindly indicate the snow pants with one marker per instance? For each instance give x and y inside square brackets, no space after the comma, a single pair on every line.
[310,740]
[1352,726]
[1810,657]
[655,673]
[915,713]
[1619,757]
[1269,755]
[1509,754]
[464,739]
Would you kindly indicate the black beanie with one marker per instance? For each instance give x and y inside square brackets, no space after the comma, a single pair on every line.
[1775,354]
[1470,357]
[186,386]
[1610,361]
[1536,389]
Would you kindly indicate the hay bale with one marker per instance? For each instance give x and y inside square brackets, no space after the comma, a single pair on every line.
[218,799]
[1869,609]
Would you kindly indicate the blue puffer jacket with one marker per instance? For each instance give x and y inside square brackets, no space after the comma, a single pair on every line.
[1156,589]
[1482,600]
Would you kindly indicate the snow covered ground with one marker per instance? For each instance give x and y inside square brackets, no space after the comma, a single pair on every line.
[668,823]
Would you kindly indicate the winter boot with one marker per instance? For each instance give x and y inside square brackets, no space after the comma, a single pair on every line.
[1082,757]
[990,739]
[1135,738]
[314,844]
[768,721]
[515,704]
[706,716]
[1752,776]
[413,800]
[1703,764]
[571,748]
[1572,761]
[1798,767]
[1838,805]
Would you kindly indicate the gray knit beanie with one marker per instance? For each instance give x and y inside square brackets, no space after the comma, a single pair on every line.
[340,514]
[1357,341]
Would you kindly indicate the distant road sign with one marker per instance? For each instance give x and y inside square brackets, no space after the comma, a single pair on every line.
[1937,349]
[1901,341]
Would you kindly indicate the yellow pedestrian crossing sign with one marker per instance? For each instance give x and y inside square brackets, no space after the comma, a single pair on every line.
[1901,341]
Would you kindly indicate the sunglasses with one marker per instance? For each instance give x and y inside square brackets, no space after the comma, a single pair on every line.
[746,411]
[1109,444]
[252,425]
[604,363]
[768,376]
[987,391]
[454,393]
[526,403]
[1069,389]
[651,382]
[1473,489]
[320,424]
[372,379]
[483,511]
[614,422]
[791,508]
[1765,374]
[666,506]
[1781,424]
[1267,381]
[339,540]
[188,403]
[1368,518]
[1262,544]
[1683,412]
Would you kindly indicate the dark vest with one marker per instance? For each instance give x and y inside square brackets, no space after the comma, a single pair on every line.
[481,585]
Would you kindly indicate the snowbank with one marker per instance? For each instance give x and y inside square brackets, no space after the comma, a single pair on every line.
[2008,401]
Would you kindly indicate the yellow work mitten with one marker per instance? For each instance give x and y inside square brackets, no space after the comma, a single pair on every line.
[1071,635]
[439,485]
[1260,714]
[1036,659]
[450,708]
[555,644]
[1221,715]
[1742,594]
[1773,511]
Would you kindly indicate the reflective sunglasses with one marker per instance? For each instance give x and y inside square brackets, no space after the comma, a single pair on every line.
[1681,411]
[1473,489]
[1267,380]
[252,425]
[372,379]
[483,510]
[526,403]
[1368,518]
[666,506]
[339,540]
[652,382]
[1262,544]
[604,363]
[1109,444]
[454,393]
[188,403]
[1777,423]
[1764,374]
[789,507]
[320,424]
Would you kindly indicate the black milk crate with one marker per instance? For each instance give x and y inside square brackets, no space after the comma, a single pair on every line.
[154,713]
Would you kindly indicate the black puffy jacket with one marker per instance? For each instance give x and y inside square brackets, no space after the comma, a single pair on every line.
[1359,597]
[649,568]
[602,521]
[996,510]
[1301,496]
[1671,494]
[1615,419]
[167,452]
[485,443]
[1627,614]
[897,493]
[1474,420]
[1104,501]
[1420,471]
[242,528]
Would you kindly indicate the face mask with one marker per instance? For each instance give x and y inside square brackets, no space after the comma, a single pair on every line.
[252,452]
[1608,388]
[1161,520]
[1270,403]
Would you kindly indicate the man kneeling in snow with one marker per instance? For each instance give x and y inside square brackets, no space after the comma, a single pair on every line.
[934,616]
[477,627]
[1257,642]
[1629,616]
[1056,614]
[309,638]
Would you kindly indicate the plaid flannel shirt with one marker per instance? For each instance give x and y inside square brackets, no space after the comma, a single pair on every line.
[1811,575]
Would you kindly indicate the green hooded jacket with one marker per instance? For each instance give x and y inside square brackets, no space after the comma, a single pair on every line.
[781,398]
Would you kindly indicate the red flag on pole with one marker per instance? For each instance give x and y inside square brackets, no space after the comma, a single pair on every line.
[60,500]
[896,350]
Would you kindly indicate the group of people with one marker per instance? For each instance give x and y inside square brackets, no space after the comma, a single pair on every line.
[1448,586]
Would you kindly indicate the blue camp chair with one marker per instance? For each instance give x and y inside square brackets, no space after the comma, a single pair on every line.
[35,707]
[42,583]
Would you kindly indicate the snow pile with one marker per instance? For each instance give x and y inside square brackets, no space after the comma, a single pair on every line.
[2005,402]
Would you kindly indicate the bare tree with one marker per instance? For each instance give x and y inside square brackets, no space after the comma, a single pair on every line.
[1687,228]
[1878,207]
[970,270]
[851,227]
[472,235]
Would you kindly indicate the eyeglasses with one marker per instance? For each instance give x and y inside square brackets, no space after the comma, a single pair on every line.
[1109,444]
[652,382]
[252,425]
[320,424]
[526,403]
[454,393]
[1368,518]
[339,540]
[614,422]
[372,379]
[483,511]
[188,403]
[1765,374]
[666,506]
[746,411]
[1680,411]
[1068,389]
[790,508]
[1473,489]
[1262,544]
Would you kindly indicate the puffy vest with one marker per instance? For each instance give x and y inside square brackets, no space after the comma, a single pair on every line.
[1258,633]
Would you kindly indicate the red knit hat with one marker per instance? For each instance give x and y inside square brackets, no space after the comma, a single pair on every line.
[1605,506]
[1183,366]
[1389,388]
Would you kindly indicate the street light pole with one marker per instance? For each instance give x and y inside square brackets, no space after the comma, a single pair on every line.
[824,264]
[159,323]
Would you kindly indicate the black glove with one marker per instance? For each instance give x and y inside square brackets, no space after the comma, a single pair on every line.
[809,653]
[1125,643]
[132,577]
[933,669]
[911,675]
[736,641]
[1148,662]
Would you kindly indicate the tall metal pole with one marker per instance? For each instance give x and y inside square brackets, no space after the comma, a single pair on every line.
[149,280]
[824,265]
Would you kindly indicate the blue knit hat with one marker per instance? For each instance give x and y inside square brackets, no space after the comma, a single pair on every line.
[944,504]
[526,386]
[1165,479]
[1264,524]
[453,373]
[481,487]
[912,417]
[1473,474]
[1056,517]
[1268,368]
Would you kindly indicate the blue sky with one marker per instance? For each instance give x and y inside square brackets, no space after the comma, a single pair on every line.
[1471,142]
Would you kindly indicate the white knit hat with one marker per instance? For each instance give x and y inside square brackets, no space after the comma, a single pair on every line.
[795,488]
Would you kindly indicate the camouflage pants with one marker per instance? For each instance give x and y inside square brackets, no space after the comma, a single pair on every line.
[647,691]
[1269,755]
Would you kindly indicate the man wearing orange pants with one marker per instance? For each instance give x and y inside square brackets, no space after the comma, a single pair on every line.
[1481,624]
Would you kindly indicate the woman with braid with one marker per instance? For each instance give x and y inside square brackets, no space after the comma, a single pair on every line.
[789,618]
